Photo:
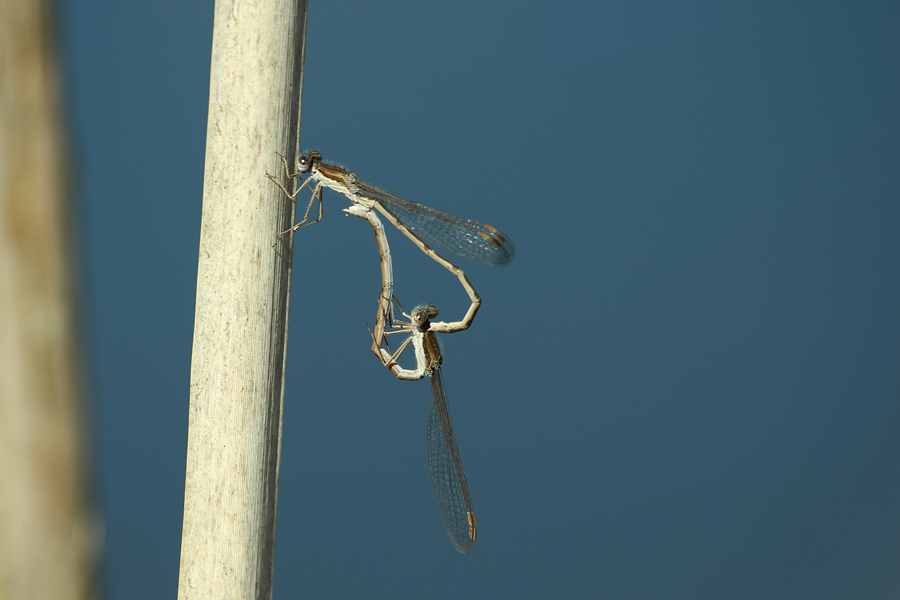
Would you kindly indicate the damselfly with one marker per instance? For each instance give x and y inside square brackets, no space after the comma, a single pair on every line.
[447,478]
[427,227]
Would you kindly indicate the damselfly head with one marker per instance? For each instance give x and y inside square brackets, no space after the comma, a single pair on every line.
[422,314]
[308,161]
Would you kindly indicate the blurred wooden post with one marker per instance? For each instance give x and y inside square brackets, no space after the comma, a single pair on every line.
[48,543]
[243,285]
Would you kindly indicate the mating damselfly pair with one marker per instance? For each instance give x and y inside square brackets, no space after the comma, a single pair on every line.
[428,228]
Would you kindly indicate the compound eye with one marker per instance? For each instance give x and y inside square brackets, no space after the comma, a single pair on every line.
[305,163]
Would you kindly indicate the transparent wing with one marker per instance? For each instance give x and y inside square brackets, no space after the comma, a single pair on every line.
[447,477]
[464,237]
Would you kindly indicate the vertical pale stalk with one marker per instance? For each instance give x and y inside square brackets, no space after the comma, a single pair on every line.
[243,285]
[47,538]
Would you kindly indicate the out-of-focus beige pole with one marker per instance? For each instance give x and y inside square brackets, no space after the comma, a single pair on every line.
[48,542]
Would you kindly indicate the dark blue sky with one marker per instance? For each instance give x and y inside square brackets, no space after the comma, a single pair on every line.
[687,385]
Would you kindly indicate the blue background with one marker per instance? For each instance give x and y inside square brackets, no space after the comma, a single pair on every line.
[687,385]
